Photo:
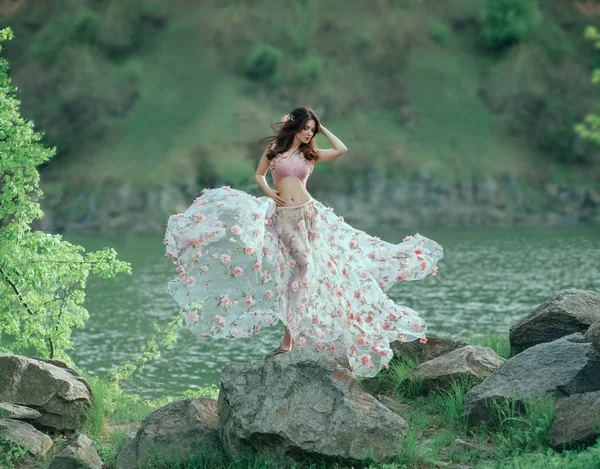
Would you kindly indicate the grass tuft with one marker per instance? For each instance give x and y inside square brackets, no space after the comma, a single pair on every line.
[497,341]
[450,401]
[522,426]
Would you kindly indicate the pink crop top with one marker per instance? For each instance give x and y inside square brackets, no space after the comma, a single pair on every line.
[291,163]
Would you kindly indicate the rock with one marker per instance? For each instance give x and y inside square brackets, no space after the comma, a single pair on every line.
[415,351]
[592,335]
[471,361]
[393,404]
[433,348]
[567,312]
[298,406]
[77,454]
[18,412]
[59,393]
[23,434]
[374,386]
[178,430]
[466,447]
[564,367]
[576,420]
[431,432]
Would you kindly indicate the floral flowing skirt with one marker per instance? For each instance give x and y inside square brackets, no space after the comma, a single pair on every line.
[244,264]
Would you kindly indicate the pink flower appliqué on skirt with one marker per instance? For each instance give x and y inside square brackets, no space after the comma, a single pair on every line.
[244,264]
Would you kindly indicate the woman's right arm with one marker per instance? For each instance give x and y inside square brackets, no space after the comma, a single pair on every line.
[261,180]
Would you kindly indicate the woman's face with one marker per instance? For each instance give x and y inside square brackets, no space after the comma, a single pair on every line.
[308,132]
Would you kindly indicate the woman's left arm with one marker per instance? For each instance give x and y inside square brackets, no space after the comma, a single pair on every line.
[338,147]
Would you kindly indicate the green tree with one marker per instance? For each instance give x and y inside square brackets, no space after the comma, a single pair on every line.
[508,21]
[42,276]
[590,128]
[265,62]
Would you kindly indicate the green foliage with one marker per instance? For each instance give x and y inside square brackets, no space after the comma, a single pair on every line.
[94,420]
[590,128]
[309,70]
[302,25]
[363,40]
[410,454]
[11,453]
[398,376]
[497,341]
[211,391]
[552,460]
[508,21]
[450,401]
[522,426]
[42,277]
[439,32]
[150,351]
[109,445]
[265,62]
[77,82]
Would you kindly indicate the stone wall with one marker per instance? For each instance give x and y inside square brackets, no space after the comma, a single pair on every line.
[371,200]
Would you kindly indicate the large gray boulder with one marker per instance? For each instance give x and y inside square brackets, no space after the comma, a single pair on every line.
[174,432]
[77,454]
[18,412]
[59,393]
[567,366]
[567,312]
[433,348]
[576,421]
[299,406]
[23,434]
[472,361]
[592,335]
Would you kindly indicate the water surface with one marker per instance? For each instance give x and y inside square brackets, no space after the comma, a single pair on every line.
[488,279]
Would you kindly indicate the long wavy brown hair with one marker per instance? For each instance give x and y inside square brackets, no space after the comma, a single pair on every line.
[282,142]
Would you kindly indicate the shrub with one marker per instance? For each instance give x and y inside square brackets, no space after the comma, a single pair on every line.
[363,40]
[508,21]
[439,32]
[264,63]
[309,70]
[11,453]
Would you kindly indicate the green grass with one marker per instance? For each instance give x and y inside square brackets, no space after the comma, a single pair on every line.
[454,134]
[498,342]
[548,459]
[449,401]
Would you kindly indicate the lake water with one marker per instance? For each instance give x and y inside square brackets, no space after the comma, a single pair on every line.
[488,279]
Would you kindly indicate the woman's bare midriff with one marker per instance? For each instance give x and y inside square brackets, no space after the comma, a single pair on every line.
[292,191]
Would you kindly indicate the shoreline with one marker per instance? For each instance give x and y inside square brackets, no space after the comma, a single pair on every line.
[372,200]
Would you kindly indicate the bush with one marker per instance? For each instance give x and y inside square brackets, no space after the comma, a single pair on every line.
[264,63]
[439,32]
[10,453]
[508,21]
[309,70]
[363,40]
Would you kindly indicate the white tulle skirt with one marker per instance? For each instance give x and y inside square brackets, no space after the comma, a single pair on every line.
[244,264]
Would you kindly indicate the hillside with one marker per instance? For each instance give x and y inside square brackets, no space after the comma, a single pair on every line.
[154,93]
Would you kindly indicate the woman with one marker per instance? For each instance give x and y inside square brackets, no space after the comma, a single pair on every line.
[247,262]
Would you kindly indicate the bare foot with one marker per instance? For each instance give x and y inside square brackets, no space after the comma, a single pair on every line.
[286,347]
